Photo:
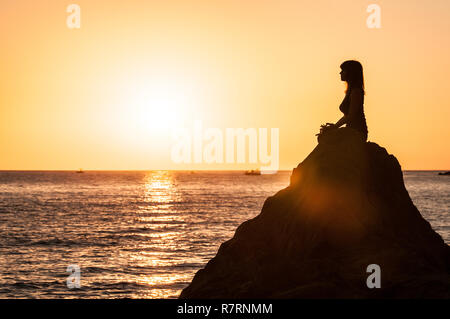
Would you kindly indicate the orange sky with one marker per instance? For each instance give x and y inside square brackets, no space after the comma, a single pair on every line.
[107,96]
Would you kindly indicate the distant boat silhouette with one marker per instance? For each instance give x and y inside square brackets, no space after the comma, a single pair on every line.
[445,173]
[79,171]
[253,172]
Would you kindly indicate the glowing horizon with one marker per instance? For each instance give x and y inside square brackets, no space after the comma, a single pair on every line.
[106,96]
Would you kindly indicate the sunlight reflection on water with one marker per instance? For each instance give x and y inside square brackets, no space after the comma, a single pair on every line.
[138,234]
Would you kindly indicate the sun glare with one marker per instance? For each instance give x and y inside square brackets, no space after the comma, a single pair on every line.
[157,107]
[156,104]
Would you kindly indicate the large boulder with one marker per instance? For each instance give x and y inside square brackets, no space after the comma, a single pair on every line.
[346,208]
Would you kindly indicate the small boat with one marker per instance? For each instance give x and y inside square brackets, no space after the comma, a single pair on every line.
[253,172]
[445,173]
[79,171]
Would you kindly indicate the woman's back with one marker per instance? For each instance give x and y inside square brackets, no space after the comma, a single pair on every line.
[356,117]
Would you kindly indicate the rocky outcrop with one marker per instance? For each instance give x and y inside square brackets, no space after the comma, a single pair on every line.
[345,208]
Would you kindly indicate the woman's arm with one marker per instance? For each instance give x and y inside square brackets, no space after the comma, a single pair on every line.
[341,122]
[355,104]
[356,101]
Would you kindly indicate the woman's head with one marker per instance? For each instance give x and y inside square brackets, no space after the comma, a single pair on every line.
[352,73]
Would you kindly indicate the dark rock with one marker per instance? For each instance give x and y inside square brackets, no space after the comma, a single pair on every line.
[345,208]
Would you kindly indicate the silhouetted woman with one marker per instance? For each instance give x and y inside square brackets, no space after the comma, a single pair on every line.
[353,104]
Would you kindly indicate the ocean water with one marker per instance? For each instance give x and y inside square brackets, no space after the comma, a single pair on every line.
[140,234]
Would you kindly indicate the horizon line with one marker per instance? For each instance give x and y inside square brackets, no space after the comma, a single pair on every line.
[178,170]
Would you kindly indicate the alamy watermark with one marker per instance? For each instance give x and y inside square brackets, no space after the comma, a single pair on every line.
[74,279]
[232,145]
[74,19]
[374,280]
[374,19]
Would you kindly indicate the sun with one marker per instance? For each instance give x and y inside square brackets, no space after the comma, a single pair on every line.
[158,105]
[148,106]
[157,109]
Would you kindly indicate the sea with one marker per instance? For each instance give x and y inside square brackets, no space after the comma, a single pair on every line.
[139,234]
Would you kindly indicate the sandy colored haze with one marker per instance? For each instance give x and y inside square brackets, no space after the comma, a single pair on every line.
[107,96]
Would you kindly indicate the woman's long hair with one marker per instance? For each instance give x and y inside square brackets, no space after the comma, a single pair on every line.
[354,71]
